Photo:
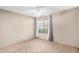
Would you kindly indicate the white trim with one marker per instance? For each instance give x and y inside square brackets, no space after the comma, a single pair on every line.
[48,26]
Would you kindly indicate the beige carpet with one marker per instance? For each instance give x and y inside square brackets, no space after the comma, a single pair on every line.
[39,45]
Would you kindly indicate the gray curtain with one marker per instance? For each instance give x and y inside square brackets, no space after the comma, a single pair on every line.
[50,29]
[35,27]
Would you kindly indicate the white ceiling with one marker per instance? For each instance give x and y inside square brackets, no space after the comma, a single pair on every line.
[36,11]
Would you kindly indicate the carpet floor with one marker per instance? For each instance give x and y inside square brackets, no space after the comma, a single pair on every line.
[39,46]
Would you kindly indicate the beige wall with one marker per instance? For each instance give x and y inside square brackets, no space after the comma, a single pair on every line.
[15,28]
[66,27]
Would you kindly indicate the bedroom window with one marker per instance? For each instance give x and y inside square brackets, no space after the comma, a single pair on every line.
[42,26]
